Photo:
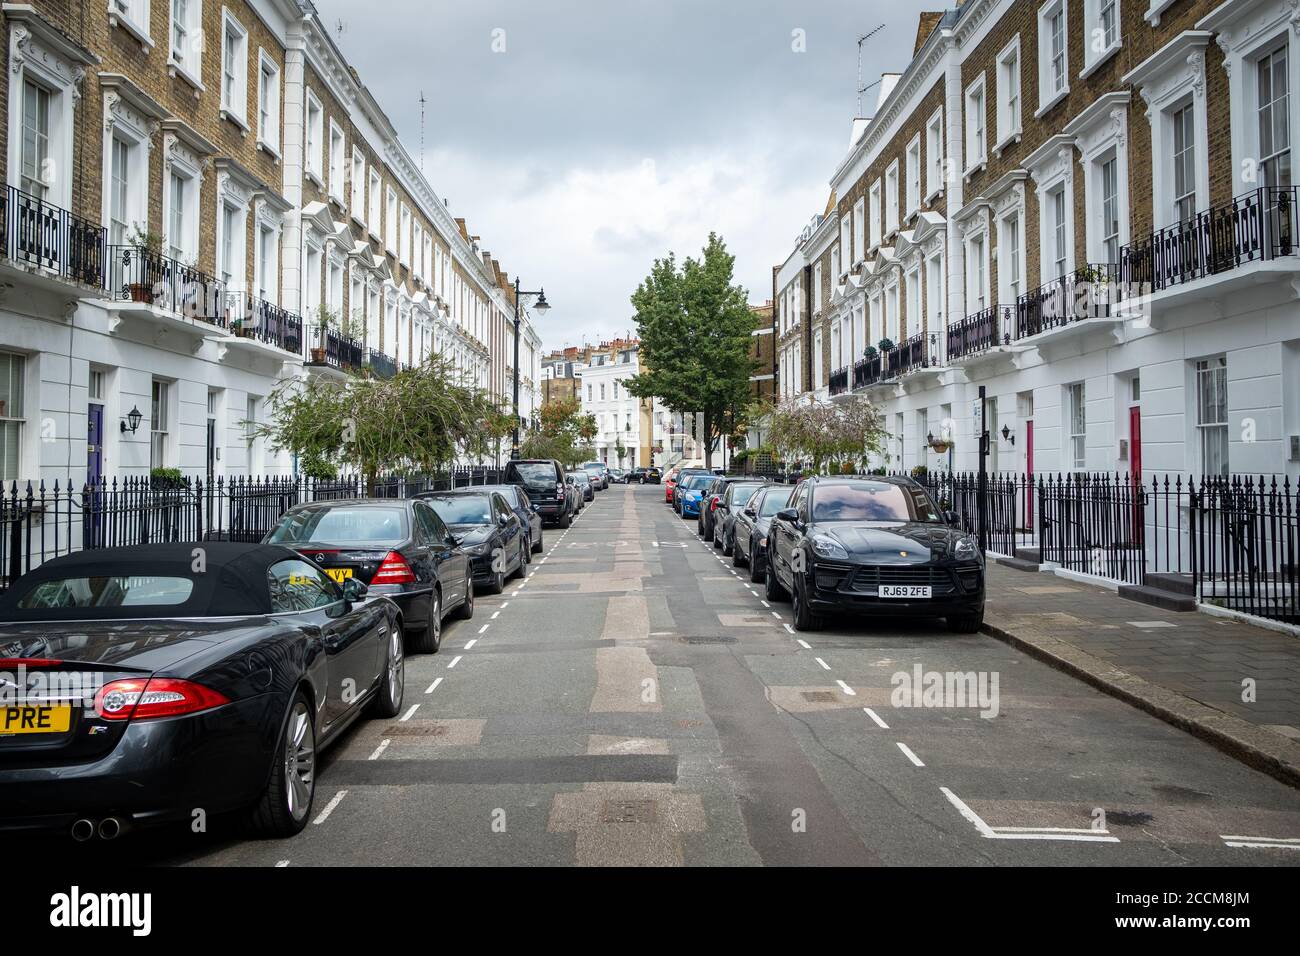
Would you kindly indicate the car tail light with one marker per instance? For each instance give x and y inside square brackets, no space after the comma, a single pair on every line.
[559,491]
[393,570]
[146,698]
[6,662]
[713,504]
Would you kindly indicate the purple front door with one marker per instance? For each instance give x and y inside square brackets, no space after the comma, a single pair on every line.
[94,442]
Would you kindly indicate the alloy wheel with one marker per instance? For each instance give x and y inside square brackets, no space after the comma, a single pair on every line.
[396,670]
[299,760]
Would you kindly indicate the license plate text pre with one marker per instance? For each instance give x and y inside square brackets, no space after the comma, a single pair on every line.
[904,590]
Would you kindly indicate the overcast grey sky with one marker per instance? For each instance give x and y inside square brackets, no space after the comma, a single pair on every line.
[610,132]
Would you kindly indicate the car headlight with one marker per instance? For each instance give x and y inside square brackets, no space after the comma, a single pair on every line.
[762,542]
[826,547]
[967,548]
[478,550]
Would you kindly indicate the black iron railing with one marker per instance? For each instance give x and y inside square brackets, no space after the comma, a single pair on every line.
[980,332]
[255,318]
[1087,293]
[909,356]
[1094,524]
[1257,225]
[334,350]
[138,274]
[46,237]
[839,382]
[381,366]
[40,522]
[867,371]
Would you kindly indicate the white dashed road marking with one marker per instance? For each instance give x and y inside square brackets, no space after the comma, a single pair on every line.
[380,749]
[434,686]
[324,815]
[907,752]
[876,717]
[407,716]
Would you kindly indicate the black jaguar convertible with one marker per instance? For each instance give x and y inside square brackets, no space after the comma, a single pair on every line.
[140,684]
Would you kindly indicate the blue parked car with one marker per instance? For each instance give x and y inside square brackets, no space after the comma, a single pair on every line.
[690,490]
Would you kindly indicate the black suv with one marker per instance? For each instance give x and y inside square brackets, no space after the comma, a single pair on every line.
[878,546]
[543,481]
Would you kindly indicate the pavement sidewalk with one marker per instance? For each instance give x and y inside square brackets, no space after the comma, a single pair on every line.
[1187,668]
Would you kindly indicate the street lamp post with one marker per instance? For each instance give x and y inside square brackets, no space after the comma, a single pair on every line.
[541,306]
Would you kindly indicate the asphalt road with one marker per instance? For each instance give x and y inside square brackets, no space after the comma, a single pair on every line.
[635,701]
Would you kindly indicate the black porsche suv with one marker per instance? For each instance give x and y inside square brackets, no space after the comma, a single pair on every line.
[877,546]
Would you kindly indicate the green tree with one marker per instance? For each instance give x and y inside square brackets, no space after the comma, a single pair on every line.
[419,420]
[695,329]
[563,433]
[825,433]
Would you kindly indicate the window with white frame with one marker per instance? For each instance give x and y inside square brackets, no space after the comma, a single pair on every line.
[268,103]
[314,138]
[118,190]
[835,264]
[312,279]
[334,285]
[187,37]
[266,256]
[1076,447]
[13,369]
[876,233]
[159,423]
[390,219]
[1273,116]
[1009,91]
[837,358]
[913,297]
[976,134]
[428,257]
[846,240]
[914,175]
[404,236]
[859,225]
[891,313]
[817,360]
[976,274]
[1053,56]
[37,168]
[358,184]
[935,160]
[1058,237]
[229,253]
[373,217]
[126,172]
[338,161]
[1101,31]
[1183,125]
[1108,179]
[1212,414]
[817,287]
[1010,261]
[181,216]
[234,69]
[891,198]
[934,292]
[417,250]
[133,14]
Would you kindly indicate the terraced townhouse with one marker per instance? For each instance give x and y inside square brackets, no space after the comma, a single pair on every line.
[203,200]
[1087,208]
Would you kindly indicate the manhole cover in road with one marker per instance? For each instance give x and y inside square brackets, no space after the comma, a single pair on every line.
[629,811]
[704,639]
[820,697]
[1128,818]
[416,730]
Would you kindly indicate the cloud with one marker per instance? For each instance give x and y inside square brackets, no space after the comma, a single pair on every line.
[608,134]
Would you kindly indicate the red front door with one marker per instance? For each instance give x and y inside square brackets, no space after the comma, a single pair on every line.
[1135,442]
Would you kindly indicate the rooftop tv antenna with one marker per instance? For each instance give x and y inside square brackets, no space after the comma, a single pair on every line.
[340,27]
[862,89]
[422,102]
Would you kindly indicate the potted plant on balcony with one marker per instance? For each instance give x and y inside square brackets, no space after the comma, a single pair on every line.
[885,344]
[326,319]
[869,352]
[142,241]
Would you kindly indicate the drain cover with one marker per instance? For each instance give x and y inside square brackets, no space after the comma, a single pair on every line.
[821,697]
[1128,818]
[629,811]
[701,639]
[416,730]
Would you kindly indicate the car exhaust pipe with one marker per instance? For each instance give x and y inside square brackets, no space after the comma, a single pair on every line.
[83,830]
[110,828]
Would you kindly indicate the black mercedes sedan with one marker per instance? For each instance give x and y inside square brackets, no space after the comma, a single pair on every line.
[152,680]
[876,546]
[750,526]
[528,513]
[489,532]
[397,548]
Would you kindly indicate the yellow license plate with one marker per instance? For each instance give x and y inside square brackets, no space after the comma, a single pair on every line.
[35,719]
[339,574]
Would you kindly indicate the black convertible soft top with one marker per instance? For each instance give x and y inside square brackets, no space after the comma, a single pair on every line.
[233,582]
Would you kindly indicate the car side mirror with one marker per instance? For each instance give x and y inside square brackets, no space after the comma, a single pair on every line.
[787,514]
[503,520]
[354,590]
[952,518]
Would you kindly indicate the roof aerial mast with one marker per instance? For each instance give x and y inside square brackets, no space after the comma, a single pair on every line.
[862,89]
